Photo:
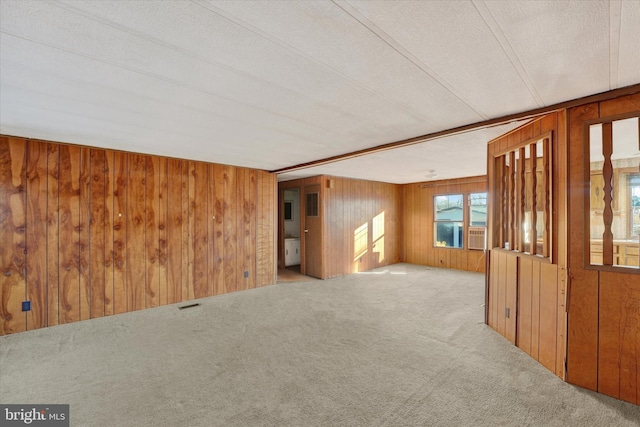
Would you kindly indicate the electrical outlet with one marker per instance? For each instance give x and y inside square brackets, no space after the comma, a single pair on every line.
[246,274]
[507,312]
[26,305]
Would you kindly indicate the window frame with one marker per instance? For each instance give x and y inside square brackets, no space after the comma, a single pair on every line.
[615,208]
[441,221]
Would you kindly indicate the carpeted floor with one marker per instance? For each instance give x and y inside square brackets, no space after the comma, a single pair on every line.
[401,346]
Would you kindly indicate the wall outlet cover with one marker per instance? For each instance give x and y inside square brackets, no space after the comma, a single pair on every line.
[26,305]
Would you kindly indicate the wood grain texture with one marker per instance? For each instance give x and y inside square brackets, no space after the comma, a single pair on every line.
[69,229]
[53,217]
[83,230]
[97,249]
[230,228]
[36,234]
[219,231]
[13,163]
[548,315]
[417,225]
[151,232]
[109,260]
[175,220]
[120,212]
[136,225]
[362,225]
[161,223]
[98,232]
[582,327]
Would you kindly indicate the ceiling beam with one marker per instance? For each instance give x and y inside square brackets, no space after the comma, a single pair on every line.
[525,115]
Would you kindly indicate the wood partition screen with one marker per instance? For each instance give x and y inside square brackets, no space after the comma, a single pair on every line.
[604,325]
[527,277]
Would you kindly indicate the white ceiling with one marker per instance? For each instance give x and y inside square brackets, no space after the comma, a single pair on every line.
[272,84]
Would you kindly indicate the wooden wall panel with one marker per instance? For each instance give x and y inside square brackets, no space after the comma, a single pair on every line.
[199,228]
[120,264]
[362,226]
[161,223]
[174,230]
[13,163]
[109,268]
[548,315]
[525,295]
[418,225]
[83,230]
[97,232]
[97,212]
[230,226]
[53,218]
[151,232]
[69,227]
[135,239]
[36,234]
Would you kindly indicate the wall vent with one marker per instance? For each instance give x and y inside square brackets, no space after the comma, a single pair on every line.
[478,238]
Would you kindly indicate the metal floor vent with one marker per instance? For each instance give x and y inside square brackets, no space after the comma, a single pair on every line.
[188,306]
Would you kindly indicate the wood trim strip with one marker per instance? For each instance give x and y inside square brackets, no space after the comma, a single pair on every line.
[546,176]
[533,230]
[512,201]
[522,199]
[525,115]
[607,151]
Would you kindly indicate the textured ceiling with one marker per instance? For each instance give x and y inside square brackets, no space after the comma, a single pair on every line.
[272,84]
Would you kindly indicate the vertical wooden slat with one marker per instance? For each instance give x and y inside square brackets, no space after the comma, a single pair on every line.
[109,259]
[607,215]
[250,240]
[218,230]
[162,224]
[512,199]
[533,230]
[69,233]
[211,234]
[97,232]
[174,231]
[53,218]
[524,304]
[120,224]
[151,232]
[36,234]
[185,247]
[522,199]
[230,235]
[535,311]
[241,281]
[200,229]
[191,233]
[83,227]
[12,234]
[135,239]
[548,190]
[548,315]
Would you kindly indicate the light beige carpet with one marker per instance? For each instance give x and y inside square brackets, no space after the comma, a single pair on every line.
[402,346]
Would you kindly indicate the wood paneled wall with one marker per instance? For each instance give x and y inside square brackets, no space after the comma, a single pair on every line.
[604,309]
[418,225]
[88,232]
[363,225]
[527,294]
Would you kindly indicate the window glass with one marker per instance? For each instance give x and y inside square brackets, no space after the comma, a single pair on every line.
[478,209]
[614,197]
[449,221]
